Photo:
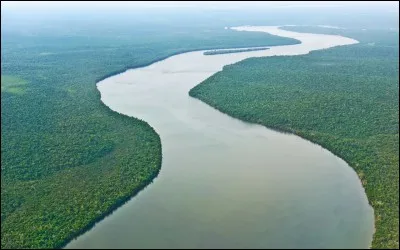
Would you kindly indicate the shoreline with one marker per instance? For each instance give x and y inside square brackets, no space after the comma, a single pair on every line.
[162,59]
[136,192]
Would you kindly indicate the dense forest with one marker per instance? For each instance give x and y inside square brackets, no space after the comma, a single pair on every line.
[67,159]
[229,51]
[345,99]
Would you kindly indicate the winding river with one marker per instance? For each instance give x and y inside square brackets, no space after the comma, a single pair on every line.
[225,183]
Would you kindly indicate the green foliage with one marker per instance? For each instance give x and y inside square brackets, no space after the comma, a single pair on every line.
[345,99]
[67,159]
[13,85]
[229,51]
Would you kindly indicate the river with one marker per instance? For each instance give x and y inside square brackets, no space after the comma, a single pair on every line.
[225,183]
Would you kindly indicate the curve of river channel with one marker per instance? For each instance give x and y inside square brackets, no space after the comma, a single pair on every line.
[225,183]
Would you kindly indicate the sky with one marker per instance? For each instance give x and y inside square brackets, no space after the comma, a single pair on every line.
[176,4]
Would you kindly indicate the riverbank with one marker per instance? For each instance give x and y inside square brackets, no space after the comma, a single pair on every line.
[267,203]
[344,99]
[66,157]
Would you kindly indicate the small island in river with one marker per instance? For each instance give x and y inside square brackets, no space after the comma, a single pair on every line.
[228,51]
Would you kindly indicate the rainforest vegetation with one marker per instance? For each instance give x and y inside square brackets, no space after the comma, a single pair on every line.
[344,98]
[67,160]
[229,51]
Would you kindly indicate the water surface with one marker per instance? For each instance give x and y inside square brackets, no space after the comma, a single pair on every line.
[225,183]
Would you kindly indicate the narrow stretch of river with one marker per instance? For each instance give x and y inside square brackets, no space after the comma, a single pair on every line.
[225,183]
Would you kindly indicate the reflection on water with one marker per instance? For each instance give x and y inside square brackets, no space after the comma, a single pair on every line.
[225,183]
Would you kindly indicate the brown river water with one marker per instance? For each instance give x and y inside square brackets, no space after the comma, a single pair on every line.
[225,183]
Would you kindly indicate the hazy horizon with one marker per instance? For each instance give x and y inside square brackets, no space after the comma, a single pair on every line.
[206,4]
